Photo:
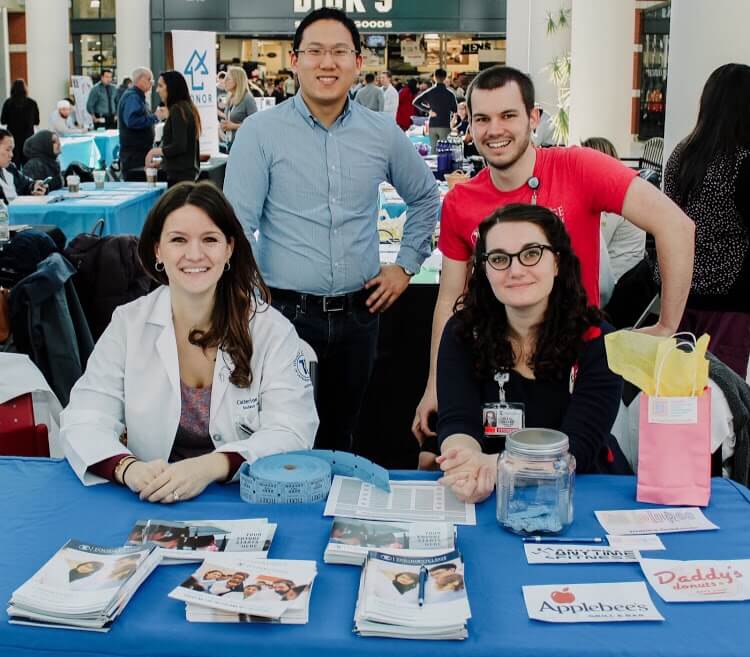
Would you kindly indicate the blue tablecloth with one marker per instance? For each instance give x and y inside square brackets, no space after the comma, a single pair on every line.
[123,206]
[79,149]
[44,505]
[108,143]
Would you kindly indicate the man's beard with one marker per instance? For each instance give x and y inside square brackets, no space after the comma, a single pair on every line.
[507,165]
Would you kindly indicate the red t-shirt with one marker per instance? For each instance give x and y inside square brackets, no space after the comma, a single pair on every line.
[577,184]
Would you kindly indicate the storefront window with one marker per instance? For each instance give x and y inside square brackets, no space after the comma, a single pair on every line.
[97,53]
[93,8]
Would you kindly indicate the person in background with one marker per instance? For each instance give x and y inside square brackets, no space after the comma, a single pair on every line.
[278,91]
[239,101]
[577,183]
[62,120]
[544,133]
[440,103]
[708,176]
[183,369]
[390,95]
[460,120]
[101,102]
[526,314]
[626,243]
[19,115]
[370,95]
[405,107]
[289,177]
[124,86]
[136,125]
[42,151]
[12,182]
[179,148]
[255,84]
[290,86]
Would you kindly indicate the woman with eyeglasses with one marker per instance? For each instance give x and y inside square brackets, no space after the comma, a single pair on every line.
[523,332]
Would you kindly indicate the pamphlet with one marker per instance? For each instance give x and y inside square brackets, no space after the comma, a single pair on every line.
[590,603]
[654,521]
[698,581]
[408,500]
[552,553]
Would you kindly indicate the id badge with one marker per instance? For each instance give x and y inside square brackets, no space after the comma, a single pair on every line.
[502,418]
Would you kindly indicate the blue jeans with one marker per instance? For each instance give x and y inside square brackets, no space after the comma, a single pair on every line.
[346,344]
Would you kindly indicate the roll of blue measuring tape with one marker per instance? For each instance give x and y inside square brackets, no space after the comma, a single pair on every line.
[285,479]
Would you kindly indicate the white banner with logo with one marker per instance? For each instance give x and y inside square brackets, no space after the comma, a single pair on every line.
[82,85]
[590,603]
[578,554]
[195,57]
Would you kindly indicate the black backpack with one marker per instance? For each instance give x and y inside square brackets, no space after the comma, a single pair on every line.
[108,274]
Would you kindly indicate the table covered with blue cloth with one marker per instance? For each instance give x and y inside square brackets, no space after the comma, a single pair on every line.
[44,505]
[123,206]
[108,143]
[81,149]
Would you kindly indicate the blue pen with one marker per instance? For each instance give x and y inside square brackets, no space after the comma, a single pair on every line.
[562,539]
[422,582]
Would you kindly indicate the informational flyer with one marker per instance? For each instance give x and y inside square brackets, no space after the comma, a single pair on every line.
[408,500]
[654,521]
[698,581]
[557,553]
[640,542]
[590,603]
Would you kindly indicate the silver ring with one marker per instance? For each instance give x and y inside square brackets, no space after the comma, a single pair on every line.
[175,495]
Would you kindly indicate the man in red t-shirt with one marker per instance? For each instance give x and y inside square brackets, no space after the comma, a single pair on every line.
[576,183]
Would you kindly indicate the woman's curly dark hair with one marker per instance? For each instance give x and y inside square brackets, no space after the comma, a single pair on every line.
[483,323]
[238,291]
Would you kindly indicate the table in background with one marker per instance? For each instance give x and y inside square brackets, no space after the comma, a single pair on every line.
[214,170]
[108,143]
[81,149]
[123,206]
[44,505]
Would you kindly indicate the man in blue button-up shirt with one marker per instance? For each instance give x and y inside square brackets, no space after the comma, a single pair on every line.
[305,176]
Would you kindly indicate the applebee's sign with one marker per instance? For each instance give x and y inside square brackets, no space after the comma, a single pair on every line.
[590,603]
[698,581]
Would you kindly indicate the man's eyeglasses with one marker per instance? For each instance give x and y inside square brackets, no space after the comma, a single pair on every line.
[338,53]
[528,257]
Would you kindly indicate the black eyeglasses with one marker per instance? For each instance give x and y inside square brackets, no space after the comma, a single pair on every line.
[528,257]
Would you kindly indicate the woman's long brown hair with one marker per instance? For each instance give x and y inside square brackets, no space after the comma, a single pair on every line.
[239,289]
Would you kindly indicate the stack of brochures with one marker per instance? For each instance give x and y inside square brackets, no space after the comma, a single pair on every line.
[194,540]
[352,539]
[232,588]
[412,597]
[82,586]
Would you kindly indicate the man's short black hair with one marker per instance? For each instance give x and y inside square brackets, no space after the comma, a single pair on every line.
[106,70]
[388,74]
[327,14]
[498,76]
[369,78]
[441,74]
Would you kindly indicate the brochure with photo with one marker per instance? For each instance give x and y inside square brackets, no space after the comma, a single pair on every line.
[83,585]
[193,540]
[351,539]
[590,603]
[413,597]
[698,581]
[238,585]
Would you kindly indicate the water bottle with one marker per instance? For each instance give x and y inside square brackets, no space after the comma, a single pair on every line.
[444,159]
[457,149]
[4,224]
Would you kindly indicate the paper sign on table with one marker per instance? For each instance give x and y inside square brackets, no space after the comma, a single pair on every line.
[590,603]
[698,581]
[641,542]
[653,521]
[558,553]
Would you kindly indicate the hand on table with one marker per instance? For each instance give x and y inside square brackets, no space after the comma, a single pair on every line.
[427,406]
[39,188]
[388,286]
[470,474]
[141,473]
[185,479]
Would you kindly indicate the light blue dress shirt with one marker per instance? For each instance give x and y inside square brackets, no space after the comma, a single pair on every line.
[312,195]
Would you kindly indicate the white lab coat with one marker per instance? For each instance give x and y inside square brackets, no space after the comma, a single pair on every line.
[132,380]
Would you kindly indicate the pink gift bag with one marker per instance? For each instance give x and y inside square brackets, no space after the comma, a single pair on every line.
[674,459]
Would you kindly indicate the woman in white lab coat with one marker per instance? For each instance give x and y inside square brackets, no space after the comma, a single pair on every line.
[191,380]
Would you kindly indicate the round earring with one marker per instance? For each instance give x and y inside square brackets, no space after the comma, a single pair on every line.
[227,266]
[158,267]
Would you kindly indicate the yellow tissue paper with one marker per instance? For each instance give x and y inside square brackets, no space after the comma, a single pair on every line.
[645,360]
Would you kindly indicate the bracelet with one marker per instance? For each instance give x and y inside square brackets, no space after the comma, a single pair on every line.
[125,469]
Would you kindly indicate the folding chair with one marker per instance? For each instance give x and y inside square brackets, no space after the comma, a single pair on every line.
[19,435]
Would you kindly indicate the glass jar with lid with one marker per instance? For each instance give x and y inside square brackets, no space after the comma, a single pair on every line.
[535,480]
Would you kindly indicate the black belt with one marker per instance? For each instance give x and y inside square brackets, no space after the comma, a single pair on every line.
[326,304]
